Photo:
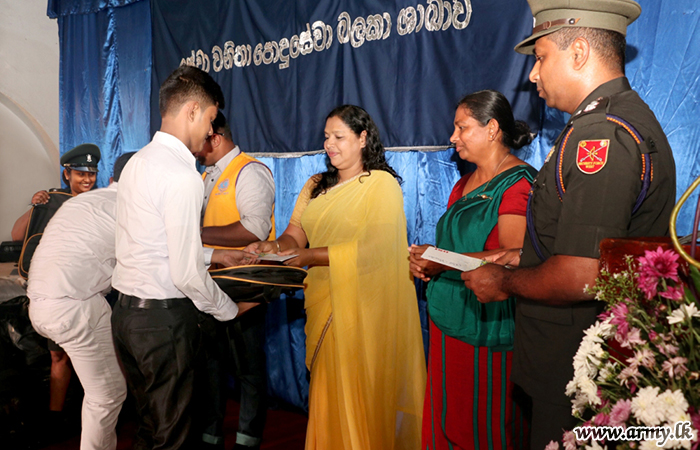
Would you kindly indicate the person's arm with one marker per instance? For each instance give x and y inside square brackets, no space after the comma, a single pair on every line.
[19,230]
[231,235]
[181,214]
[255,197]
[560,280]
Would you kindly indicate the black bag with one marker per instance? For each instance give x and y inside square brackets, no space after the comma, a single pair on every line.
[38,219]
[258,282]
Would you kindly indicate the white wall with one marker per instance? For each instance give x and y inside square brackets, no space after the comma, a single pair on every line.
[29,58]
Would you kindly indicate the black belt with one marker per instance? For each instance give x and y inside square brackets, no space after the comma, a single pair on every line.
[129,301]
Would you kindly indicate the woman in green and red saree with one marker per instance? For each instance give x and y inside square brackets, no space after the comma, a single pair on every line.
[470,402]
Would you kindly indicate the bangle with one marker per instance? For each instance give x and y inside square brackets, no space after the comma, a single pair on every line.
[278,246]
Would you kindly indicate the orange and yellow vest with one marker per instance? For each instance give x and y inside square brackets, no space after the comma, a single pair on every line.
[221,208]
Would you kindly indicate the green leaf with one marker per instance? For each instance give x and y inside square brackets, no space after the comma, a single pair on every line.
[695,277]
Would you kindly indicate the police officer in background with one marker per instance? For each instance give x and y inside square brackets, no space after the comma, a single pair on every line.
[79,173]
[610,174]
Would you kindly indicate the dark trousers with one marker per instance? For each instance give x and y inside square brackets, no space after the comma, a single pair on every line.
[237,347]
[158,349]
[549,421]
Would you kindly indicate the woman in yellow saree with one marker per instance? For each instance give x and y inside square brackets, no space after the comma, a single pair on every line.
[364,347]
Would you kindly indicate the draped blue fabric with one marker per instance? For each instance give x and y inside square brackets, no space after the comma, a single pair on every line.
[58,8]
[408,78]
[106,83]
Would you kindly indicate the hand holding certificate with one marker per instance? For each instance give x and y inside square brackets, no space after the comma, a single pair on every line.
[451,259]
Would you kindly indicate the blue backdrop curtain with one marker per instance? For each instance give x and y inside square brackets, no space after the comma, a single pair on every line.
[106,81]
[104,76]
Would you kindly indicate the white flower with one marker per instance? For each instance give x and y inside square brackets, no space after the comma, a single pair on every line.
[673,404]
[600,331]
[645,407]
[648,445]
[578,404]
[590,390]
[684,312]
[607,371]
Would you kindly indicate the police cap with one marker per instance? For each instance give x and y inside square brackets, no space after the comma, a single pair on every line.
[84,158]
[553,15]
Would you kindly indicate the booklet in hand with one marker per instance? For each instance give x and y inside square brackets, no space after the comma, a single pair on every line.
[455,260]
[274,257]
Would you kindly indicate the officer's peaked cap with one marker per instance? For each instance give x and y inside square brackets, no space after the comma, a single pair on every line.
[553,15]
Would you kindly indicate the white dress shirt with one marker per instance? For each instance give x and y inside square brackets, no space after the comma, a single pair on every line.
[75,257]
[158,245]
[255,193]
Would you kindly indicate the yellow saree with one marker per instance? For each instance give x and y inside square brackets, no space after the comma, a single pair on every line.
[368,377]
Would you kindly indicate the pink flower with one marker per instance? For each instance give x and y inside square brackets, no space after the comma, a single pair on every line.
[643,357]
[633,338]
[673,293]
[620,412]
[629,373]
[659,263]
[619,313]
[570,442]
[675,367]
[601,419]
[648,284]
[619,319]
[553,445]
[653,335]
[667,349]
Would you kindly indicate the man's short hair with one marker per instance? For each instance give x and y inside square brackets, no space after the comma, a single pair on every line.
[220,126]
[607,44]
[188,83]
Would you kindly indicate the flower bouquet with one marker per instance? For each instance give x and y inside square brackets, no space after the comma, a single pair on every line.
[636,373]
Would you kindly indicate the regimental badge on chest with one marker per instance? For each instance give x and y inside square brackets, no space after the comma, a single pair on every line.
[592,155]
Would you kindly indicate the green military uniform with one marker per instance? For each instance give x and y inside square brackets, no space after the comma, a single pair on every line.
[597,203]
[588,190]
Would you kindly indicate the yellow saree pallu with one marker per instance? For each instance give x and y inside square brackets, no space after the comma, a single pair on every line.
[368,374]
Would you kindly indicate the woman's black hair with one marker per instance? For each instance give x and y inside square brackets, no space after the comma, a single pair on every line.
[373,158]
[488,104]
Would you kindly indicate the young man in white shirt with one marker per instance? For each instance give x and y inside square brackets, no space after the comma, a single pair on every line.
[160,271]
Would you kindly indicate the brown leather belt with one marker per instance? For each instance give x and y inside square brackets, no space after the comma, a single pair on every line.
[129,301]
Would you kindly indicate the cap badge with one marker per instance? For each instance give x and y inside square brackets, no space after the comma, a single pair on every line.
[89,157]
[592,155]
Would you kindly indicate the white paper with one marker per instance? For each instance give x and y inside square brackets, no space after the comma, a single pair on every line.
[455,260]
[274,257]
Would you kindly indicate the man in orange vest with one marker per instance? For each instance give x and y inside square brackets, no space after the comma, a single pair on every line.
[239,197]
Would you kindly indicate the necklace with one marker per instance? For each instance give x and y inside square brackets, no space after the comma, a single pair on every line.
[484,196]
